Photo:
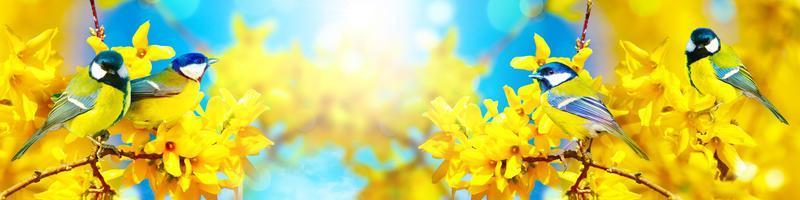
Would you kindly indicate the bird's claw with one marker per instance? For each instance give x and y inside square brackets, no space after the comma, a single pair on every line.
[99,141]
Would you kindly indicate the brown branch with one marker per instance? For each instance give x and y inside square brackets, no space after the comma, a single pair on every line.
[92,160]
[636,177]
[581,42]
[587,162]
[104,187]
[575,189]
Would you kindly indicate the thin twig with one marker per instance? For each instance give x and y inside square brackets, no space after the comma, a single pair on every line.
[575,189]
[99,175]
[581,42]
[98,30]
[94,158]
[637,177]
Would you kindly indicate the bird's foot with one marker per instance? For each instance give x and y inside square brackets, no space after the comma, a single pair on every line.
[99,141]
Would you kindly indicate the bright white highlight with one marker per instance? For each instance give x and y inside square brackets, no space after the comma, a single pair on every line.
[566,102]
[557,79]
[153,84]
[77,103]
[713,46]
[690,46]
[427,39]
[440,12]
[97,71]
[194,71]
[774,178]
[730,73]
[122,72]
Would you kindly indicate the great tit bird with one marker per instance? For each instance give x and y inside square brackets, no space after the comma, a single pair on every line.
[94,100]
[575,107]
[169,94]
[715,69]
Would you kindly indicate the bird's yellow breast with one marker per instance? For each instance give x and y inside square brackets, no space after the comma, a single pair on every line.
[705,79]
[149,112]
[110,104]
[573,125]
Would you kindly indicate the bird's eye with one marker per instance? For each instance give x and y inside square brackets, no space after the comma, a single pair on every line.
[550,72]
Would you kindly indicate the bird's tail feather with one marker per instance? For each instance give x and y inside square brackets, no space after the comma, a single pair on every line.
[635,147]
[772,108]
[35,137]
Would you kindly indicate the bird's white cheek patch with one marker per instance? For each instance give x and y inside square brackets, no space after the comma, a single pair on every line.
[123,72]
[96,71]
[690,46]
[557,79]
[713,46]
[194,71]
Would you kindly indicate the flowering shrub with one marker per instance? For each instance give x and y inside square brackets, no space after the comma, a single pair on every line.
[196,155]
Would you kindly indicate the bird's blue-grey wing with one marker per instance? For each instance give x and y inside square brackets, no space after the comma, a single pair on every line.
[737,77]
[67,106]
[147,88]
[740,78]
[592,109]
[589,108]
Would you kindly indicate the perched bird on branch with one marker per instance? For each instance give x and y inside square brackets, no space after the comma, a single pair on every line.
[94,100]
[169,94]
[575,107]
[715,69]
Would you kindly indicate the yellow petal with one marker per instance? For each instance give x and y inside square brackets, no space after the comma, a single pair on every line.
[96,44]
[481,177]
[58,153]
[580,58]
[140,37]
[513,166]
[437,145]
[207,177]
[732,134]
[128,53]
[172,164]
[216,152]
[37,43]
[184,182]
[542,49]
[501,184]
[158,52]
[14,42]
[524,63]
[112,174]
[491,108]
[618,157]
[511,97]
[140,68]
[637,53]
[140,170]
[253,141]
[29,108]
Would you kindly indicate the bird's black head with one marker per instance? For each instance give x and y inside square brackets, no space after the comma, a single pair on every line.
[192,65]
[703,42]
[107,67]
[553,74]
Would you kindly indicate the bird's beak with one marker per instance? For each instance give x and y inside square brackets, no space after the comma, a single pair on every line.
[536,76]
[212,60]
